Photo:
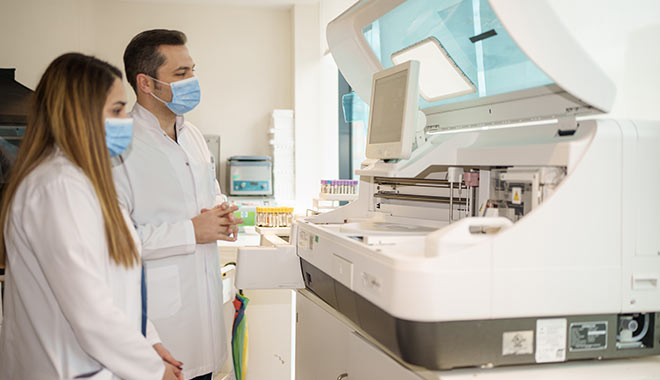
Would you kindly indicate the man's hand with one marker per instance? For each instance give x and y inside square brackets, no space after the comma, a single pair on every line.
[166,356]
[172,373]
[218,223]
[173,367]
[232,230]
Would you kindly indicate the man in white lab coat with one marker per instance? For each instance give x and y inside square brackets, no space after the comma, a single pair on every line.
[166,180]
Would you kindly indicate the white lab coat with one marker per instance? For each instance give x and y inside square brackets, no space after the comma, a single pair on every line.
[164,185]
[70,311]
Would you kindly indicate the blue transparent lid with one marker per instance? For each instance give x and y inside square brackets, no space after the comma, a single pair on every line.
[471,35]
[249,158]
[354,108]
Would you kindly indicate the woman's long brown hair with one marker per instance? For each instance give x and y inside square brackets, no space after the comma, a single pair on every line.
[67,111]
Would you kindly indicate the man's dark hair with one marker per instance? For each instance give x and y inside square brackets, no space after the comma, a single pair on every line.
[142,56]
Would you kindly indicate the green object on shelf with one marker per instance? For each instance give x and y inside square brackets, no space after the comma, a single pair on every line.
[249,217]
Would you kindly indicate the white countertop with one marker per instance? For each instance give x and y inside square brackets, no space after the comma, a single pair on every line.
[647,368]
[248,237]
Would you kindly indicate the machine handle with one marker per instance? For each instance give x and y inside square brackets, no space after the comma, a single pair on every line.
[464,233]
[342,376]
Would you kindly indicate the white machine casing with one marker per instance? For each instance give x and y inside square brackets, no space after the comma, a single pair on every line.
[441,270]
[588,249]
[585,249]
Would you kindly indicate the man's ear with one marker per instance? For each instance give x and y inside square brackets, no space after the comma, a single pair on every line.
[144,84]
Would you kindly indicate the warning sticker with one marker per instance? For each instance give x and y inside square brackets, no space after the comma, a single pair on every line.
[518,342]
[516,195]
[587,336]
[550,340]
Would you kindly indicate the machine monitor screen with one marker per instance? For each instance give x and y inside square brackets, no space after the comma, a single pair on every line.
[393,113]
[388,104]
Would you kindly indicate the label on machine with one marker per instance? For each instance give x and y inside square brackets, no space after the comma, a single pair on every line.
[304,239]
[518,342]
[550,340]
[588,336]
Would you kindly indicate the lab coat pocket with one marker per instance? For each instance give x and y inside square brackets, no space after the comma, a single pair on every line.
[163,292]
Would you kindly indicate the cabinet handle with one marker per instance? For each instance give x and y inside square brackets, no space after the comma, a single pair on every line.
[342,376]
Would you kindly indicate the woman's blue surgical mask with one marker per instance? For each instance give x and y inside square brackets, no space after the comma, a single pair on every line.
[118,135]
[185,95]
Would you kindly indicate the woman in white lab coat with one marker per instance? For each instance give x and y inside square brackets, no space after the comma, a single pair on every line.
[73,279]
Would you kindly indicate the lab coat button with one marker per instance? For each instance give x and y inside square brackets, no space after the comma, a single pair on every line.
[187,163]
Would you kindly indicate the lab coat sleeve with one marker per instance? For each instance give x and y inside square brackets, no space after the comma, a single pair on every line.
[64,217]
[152,333]
[158,241]
[219,197]
[167,239]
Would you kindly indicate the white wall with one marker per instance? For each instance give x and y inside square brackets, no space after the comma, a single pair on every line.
[243,55]
[310,151]
[315,98]
[330,106]
[34,32]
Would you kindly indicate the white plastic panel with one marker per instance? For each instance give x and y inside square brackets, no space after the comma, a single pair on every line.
[342,270]
[647,180]
[640,200]
[321,341]
[540,33]
[268,268]
[367,362]
[565,256]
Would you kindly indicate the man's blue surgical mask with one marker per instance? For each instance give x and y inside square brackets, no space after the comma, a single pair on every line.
[185,95]
[118,135]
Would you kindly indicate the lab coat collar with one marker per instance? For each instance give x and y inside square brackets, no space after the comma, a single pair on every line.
[144,116]
[57,152]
